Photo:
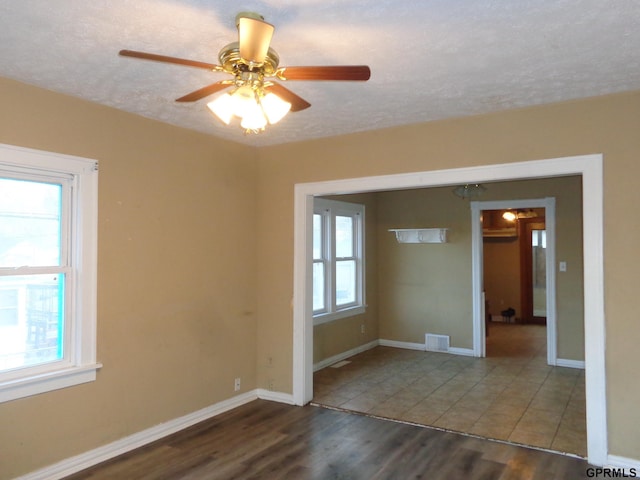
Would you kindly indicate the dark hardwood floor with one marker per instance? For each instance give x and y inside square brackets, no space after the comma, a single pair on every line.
[267,440]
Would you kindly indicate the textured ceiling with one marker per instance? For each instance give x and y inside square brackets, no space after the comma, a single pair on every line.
[430,59]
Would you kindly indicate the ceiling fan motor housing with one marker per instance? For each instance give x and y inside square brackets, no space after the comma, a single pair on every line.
[231,61]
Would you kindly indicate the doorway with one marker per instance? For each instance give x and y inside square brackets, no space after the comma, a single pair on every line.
[588,166]
[514,258]
[523,247]
[547,205]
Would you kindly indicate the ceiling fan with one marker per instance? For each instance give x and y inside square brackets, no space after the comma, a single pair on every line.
[256,98]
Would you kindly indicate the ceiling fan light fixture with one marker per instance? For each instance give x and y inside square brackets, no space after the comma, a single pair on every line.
[252,106]
[244,100]
[274,107]
[223,108]
[256,99]
[510,216]
[253,118]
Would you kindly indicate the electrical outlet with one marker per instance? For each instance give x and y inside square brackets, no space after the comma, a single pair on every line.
[362,328]
[271,385]
[236,385]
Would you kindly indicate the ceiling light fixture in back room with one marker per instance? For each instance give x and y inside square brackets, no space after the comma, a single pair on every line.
[255,99]
[470,190]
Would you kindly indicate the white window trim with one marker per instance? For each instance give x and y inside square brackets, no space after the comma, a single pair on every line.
[335,208]
[80,365]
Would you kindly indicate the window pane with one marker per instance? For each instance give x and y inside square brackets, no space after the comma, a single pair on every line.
[344,236]
[8,306]
[29,223]
[317,237]
[37,335]
[345,282]
[318,286]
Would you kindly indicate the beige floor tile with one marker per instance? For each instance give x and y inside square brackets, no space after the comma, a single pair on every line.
[431,407]
[568,440]
[421,389]
[407,395]
[421,418]
[527,437]
[474,403]
[389,409]
[425,412]
[548,404]
[457,420]
[334,399]
[491,430]
[390,387]
[364,403]
[540,421]
[576,421]
[503,419]
[521,388]
[444,396]
[509,404]
[497,380]
[353,389]
[512,394]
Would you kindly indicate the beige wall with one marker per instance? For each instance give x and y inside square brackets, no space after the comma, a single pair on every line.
[196,253]
[606,125]
[501,273]
[427,288]
[176,276]
[501,265]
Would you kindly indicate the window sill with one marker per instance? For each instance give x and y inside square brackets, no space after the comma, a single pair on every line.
[45,382]
[321,318]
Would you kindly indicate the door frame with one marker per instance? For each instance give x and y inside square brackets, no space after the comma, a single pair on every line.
[588,166]
[477,272]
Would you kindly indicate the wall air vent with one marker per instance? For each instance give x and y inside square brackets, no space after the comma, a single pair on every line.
[436,343]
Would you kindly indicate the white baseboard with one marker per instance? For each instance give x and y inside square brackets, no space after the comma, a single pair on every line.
[421,346]
[467,352]
[563,362]
[275,396]
[88,459]
[344,355]
[406,345]
[383,343]
[627,464]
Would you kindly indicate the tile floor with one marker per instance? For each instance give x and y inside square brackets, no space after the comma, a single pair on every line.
[511,395]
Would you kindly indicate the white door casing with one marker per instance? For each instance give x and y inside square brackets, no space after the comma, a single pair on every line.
[591,170]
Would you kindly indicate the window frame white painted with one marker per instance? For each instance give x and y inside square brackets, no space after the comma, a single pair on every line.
[329,210]
[80,251]
[588,166]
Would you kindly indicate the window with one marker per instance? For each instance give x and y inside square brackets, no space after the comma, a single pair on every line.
[48,210]
[338,260]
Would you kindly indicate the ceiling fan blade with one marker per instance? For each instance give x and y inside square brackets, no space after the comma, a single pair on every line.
[204,92]
[297,103]
[254,37]
[165,59]
[345,72]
